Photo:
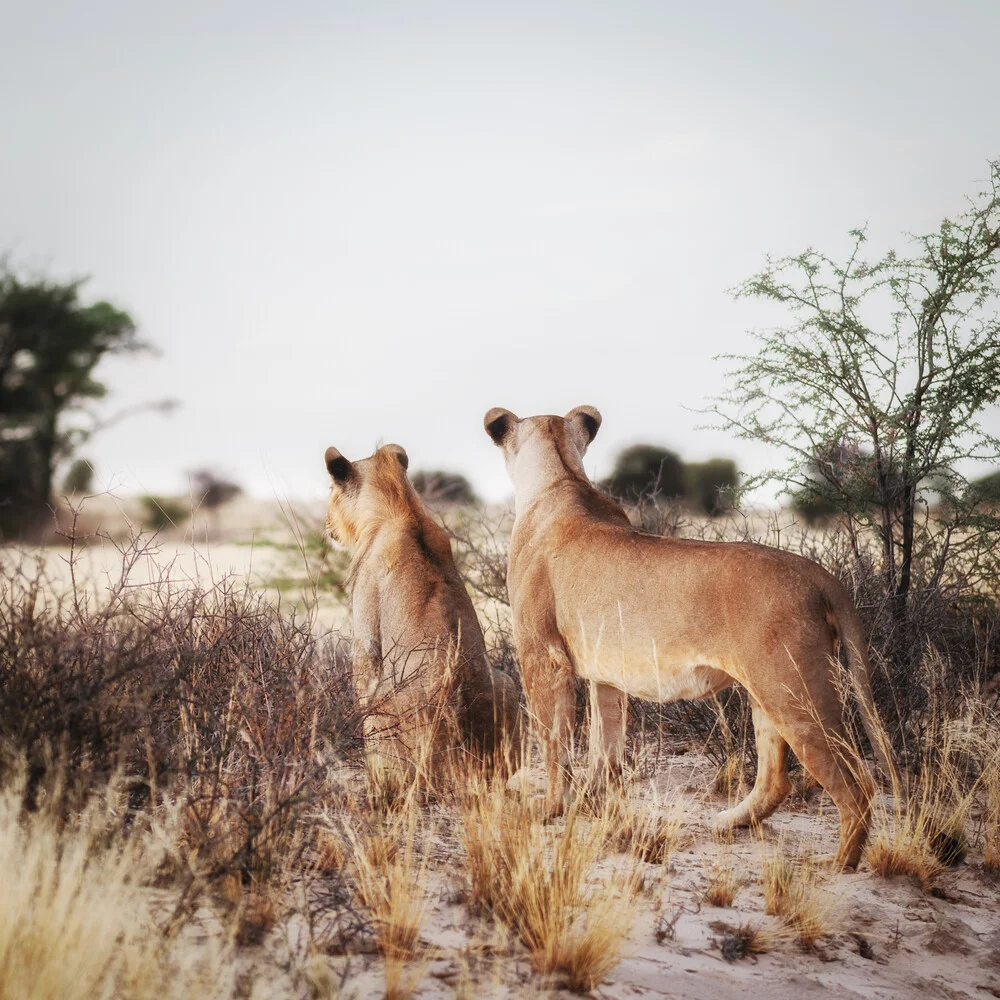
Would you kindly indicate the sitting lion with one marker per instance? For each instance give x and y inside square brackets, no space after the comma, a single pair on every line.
[419,658]
[666,619]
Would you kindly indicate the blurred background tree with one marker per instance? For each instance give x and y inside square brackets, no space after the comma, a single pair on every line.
[646,471]
[50,344]
[876,388]
[79,477]
[649,473]
[210,491]
[437,486]
[711,486]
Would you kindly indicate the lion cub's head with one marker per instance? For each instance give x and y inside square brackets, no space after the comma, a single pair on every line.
[366,493]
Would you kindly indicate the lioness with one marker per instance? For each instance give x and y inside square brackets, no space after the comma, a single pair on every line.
[665,619]
[419,659]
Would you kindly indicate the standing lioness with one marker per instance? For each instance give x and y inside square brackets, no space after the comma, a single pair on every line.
[419,659]
[665,619]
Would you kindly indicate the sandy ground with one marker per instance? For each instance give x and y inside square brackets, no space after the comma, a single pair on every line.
[887,937]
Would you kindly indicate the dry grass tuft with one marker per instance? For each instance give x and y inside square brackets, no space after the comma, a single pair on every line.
[796,891]
[530,877]
[923,831]
[745,939]
[389,873]
[731,776]
[723,884]
[73,922]
[256,916]
[991,815]
[640,831]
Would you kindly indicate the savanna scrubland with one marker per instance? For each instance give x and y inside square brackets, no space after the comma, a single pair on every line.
[187,807]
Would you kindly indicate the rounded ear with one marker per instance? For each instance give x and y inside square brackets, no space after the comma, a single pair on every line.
[587,419]
[399,452]
[498,423]
[338,466]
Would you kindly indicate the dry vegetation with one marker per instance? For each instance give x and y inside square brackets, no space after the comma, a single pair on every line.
[186,808]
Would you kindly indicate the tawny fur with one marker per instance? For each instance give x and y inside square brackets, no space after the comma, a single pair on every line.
[666,619]
[419,658]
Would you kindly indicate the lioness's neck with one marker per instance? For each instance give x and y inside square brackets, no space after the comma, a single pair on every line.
[538,467]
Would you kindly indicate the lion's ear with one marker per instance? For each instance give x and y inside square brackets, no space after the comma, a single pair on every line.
[586,421]
[339,467]
[498,423]
[400,452]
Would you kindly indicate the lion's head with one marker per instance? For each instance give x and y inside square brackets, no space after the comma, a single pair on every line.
[366,493]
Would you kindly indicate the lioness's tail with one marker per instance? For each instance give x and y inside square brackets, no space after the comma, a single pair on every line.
[851,633]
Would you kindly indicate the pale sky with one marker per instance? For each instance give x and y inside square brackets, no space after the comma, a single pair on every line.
[345,223]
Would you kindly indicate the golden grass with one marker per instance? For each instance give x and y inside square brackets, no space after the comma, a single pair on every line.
[73,924]
[639,830]
[723,884]
[796,891]
[531,878]
[923,830]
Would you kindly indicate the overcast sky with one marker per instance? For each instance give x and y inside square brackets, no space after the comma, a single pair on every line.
[345,223]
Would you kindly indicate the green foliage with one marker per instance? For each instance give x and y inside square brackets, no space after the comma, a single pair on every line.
[875,389]
[711,486]
[50,344]
[159,513]
[79,477]
[988,488]
[444,487]
[647,471]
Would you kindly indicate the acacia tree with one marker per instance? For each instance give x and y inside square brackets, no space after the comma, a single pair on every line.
[50,344]
[876,388]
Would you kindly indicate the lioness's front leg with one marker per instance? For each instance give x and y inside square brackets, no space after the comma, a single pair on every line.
[548,684]
[607,735]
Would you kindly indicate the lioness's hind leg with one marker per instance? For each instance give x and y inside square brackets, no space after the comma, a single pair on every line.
[826,757]
[607,735]
[771,786]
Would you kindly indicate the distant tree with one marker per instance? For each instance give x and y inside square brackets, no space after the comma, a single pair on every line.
[50,344]
[881,379]
[160,513]
[646,471]
[987,488]
[79,477]
[437,486]
[711,486]
[211,490]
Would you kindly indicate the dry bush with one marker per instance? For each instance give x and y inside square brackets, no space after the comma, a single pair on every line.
[530,877]
[207,698]
[745,939]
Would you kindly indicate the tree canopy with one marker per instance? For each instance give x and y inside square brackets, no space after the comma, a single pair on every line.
[875,388]
[50,344]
